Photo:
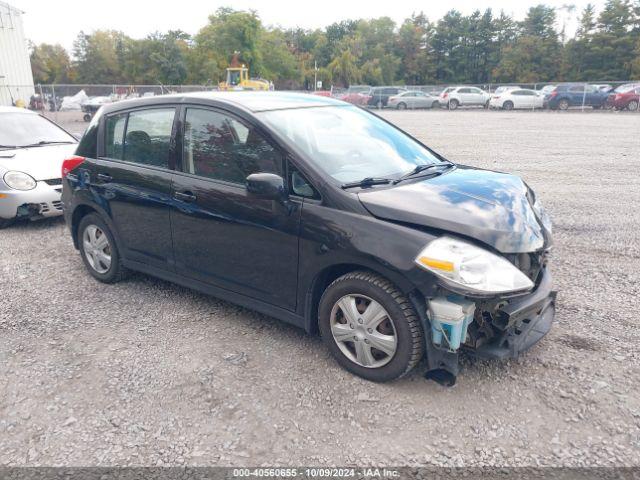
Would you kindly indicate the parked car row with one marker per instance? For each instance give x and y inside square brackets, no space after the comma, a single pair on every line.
[507,97]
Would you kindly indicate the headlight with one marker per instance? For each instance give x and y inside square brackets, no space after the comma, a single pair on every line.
[542,214]
[19,181]
[471,268]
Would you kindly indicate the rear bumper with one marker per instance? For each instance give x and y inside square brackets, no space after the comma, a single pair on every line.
[529,319]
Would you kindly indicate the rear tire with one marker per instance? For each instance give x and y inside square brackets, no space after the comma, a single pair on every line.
[402,106]
[563,104]
[508,105]
[435,104]
[392,323]
[95,253]
[453,104]
[632,105]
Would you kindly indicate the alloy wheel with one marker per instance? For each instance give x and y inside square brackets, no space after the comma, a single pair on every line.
[633,105]
[97,249]
[363,330]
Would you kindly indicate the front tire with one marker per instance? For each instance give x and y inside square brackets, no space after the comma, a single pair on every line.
[370,327]
[453,104]
[99,251]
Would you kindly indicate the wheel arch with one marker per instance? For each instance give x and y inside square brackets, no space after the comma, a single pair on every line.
[81,211]
[330,273]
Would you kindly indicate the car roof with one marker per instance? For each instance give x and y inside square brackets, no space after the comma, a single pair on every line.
[252,101]
[15,110]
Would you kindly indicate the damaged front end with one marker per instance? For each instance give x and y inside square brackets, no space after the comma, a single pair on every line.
[498,326]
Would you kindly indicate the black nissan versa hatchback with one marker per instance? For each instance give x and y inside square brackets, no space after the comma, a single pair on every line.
[318,213]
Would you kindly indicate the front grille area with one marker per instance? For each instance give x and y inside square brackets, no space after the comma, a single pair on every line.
[53,181]
[46,208]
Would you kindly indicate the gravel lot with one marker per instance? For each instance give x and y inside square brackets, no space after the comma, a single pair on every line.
[149,373]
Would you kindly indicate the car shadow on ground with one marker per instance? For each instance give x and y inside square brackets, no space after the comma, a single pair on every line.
[34,225]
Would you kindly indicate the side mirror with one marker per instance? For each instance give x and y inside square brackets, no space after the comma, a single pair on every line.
[266,185]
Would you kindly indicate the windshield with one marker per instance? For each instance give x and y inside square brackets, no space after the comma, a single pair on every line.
[20,129]
[349,143]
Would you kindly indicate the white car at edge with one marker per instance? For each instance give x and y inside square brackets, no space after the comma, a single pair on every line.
[32,150]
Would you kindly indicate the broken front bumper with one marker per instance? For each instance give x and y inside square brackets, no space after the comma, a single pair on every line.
[527,320]
[42,201]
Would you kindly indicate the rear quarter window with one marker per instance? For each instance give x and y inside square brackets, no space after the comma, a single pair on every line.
[88,146]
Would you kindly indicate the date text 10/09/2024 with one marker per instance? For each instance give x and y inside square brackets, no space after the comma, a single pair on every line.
[372,472]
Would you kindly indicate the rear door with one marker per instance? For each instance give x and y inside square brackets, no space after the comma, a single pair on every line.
[475,96]
[466,98]
[576,95]
[521,99]
[133,180]
[224,236]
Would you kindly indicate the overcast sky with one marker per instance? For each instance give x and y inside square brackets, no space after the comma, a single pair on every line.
[59,21]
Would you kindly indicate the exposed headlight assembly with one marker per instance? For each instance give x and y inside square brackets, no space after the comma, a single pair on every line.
[467,267]
[19,181]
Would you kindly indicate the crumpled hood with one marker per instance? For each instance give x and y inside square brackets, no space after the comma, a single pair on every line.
[42,163]
[488,206]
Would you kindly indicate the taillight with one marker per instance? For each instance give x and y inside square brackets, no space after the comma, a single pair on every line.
[553,94]
[70,163]
[444,95]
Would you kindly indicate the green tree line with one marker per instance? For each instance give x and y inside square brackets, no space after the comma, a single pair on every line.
[477,48]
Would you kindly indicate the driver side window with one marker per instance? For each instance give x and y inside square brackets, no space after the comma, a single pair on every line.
[221,147]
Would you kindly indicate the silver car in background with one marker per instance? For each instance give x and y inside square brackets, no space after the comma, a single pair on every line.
[32,149]
[413,99]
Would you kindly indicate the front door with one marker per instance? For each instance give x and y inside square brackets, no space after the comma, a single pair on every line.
[223,235]
[133,181]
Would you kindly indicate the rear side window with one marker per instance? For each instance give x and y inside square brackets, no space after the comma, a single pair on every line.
[221,147]
[148,137]
[142,136]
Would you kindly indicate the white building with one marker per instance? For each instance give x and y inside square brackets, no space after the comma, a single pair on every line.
[16,79]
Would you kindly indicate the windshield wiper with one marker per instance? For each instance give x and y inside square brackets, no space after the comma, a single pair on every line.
[9,147]
[44,142]
[421,168]
[367,182]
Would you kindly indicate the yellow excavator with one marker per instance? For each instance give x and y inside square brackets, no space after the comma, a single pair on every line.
[238,78]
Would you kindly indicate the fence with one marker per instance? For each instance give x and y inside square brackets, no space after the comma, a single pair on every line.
[72,97]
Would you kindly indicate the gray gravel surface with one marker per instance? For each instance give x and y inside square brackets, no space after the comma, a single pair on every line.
[148,373]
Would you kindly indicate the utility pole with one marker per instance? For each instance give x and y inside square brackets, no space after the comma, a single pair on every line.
[315,75]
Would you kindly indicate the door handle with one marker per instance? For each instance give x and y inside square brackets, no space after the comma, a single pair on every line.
[103,177]
[185,196]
